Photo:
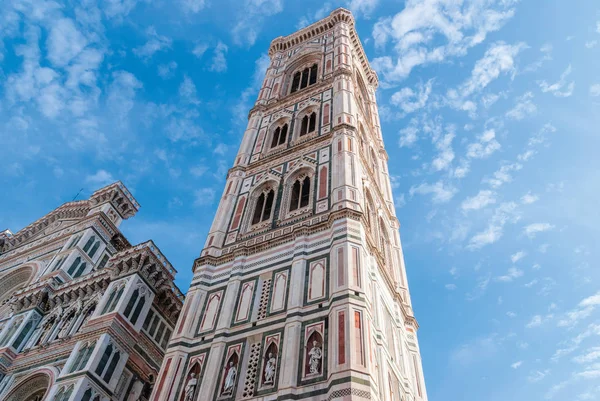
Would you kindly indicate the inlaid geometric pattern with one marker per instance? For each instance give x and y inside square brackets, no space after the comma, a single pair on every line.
[252,370]
[264,300]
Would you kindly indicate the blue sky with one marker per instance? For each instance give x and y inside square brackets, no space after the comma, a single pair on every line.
[490,113]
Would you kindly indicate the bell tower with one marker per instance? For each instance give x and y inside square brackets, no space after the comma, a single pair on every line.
[300,291]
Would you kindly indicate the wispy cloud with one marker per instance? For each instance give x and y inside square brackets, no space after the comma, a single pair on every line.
[439,191]
[479,201]
[504,213]
[560,88]
[219,62]
[454,29]
[515,257]
[154,44]
[532,230]
[524,107]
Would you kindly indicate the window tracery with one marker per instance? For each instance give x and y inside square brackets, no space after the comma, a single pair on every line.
[279,136]
[305,77]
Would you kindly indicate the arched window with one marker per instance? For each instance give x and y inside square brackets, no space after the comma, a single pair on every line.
[264,205]
[74,265]
[309,123]
[279,136]
[134,306]
[59,263]
[111,367]
[80,270]
[113,299]
[108,363]
[138,310]
[24,332]
[134,297]
[82,357]
[87,396]
[92,251]
[89,243]
[300,194]
[304,78]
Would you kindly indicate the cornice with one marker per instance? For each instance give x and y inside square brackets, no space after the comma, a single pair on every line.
[340,15]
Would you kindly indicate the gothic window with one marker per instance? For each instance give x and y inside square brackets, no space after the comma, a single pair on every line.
[304,78]
[113,299]
[108,362]
[74,241]
[89,243]
[83,357]
[149,317]
[103,262]
[59,263]
[134,306]
[91,246]
[87,395]
[300,194]
[64,394]
[264,205]
[21,337]
[309,123]
[84,317]
[11,331]
[77,267]
[279,136]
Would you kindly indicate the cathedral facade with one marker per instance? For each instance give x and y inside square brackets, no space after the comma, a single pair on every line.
[300,291]
[84,315]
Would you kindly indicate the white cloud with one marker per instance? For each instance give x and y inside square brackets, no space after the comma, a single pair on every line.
[595,90]
[479,201]
[516,364]
[512,274]
[537,375]
[166,70]
[251,17]
[200,49]
[531,283]
[100,179]
[450,287]
[193,6]
[198,170]
[515,257]
[220,149]
[532,230]
[524,106]
[486,145]
[498,59]
[439,191]
[154,44]
[534,322]
[430,31]
[187,90]
[591,355]
[560,88]
[502,175]
[219,62]
[204,196]
[445,154]
[64,42]
[593,300]
[528,198]
[409,100]
[121,93]
[504,213]
[591,44]
[364,7]
[511,314]
[408,136]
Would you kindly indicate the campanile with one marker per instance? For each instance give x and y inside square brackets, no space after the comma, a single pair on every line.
[300,291]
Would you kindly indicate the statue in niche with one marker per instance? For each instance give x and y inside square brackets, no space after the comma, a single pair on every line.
[190,387]
[230,379]
[270,369]
[314,362]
